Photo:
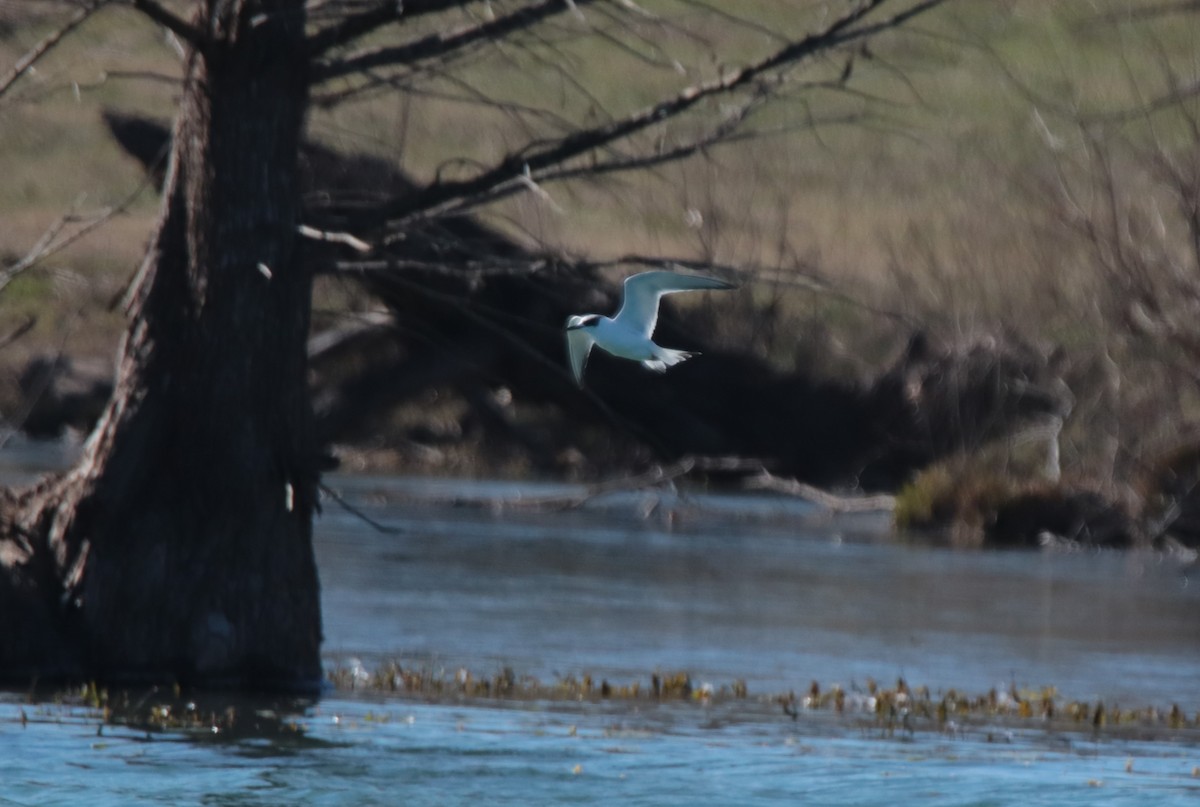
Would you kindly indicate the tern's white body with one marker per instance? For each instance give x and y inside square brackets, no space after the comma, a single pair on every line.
[627,334]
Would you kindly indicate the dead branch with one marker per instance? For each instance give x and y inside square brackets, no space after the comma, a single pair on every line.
[495,266]
[536,158]
[652,477]
[48,43]
[726,133]
[42,248]
[365,22]
[439,45]
[53,241]
[1162,9]
[374,524]
[658,476]
[176,25]
[346,239]
[484,267]
[751,273]
[17,332]
[826,499]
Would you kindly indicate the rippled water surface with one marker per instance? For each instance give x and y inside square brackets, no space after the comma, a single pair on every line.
[757,588]
[766,591]
[354,752]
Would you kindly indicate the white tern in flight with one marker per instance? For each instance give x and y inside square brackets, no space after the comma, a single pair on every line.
[628,333]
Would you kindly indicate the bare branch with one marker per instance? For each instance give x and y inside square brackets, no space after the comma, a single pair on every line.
[827,500]
[177,25]
[727,132]
[438,45]
[1172,98]
[345,239]
[493,266]
[41,249]
[17,332]
[750,274]
[1162,9]
[1169,100]
[49,90]
[384,13]
[374,524]
[48,43]
[656,476]
[736,20]
[52,241]
[538,157]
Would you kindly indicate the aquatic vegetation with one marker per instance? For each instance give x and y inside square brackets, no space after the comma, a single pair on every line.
[888,709]
[899,711]
[394,678]
[213,716]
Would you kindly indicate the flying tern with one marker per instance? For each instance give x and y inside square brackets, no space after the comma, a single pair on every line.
[627,335]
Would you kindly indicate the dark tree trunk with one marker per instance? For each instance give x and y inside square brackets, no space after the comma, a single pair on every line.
[180,546]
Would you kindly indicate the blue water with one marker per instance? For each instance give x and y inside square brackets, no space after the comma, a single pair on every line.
[770,591]
[364,753]
[765,590]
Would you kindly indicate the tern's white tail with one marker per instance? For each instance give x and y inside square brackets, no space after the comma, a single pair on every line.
[666,357]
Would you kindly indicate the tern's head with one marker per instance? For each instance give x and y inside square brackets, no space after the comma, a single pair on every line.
[582,321]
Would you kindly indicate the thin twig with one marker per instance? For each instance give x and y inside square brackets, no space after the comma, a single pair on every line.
[658,475]
[488,266]
[17,332]
[536,158]
[50,243]
[830,501]
[384,13]
[725,135]
[176,25]
[437,45]
[47,44]
[651,477]
[346,239]
[354,511]
[40,250]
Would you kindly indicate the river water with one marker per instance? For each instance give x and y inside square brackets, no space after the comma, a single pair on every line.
[762,590]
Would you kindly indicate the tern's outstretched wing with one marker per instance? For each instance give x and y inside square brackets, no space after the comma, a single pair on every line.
[639,309]
[579,345]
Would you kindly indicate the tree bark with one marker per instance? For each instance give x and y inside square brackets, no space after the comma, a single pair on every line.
[180,546]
